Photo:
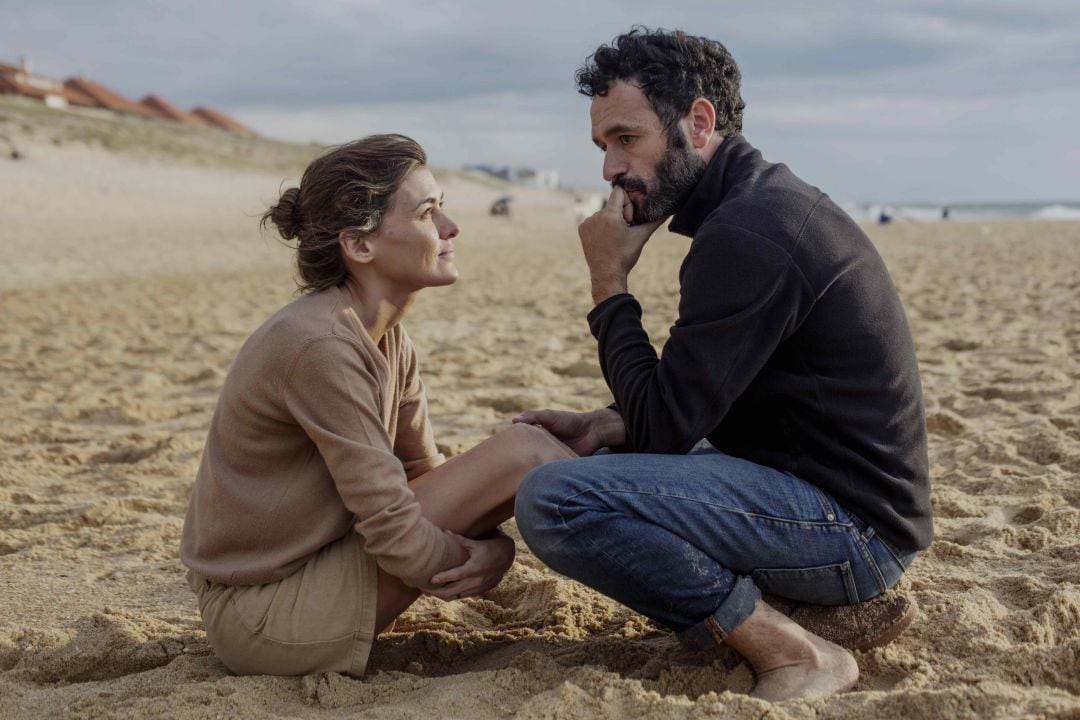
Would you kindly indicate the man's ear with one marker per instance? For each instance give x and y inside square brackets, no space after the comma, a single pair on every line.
[702,122]
[356,245]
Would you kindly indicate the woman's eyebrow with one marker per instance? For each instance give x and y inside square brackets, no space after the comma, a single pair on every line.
[430,199]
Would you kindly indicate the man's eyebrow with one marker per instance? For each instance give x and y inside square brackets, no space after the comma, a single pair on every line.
[430,199]
[617,129]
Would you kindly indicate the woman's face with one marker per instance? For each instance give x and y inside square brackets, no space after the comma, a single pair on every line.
[414,246]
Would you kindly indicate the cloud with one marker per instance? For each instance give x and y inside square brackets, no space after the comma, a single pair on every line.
[492,81]
[542,130]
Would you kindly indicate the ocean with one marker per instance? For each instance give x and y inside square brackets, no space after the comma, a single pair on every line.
[965,212]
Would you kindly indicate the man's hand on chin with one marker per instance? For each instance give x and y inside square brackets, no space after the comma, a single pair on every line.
[612,245]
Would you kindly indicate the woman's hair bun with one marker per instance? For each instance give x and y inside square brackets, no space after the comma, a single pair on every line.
[286,214]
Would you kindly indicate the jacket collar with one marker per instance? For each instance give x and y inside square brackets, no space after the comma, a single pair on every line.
[733,160]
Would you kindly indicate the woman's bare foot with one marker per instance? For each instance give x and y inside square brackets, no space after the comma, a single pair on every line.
[789,661]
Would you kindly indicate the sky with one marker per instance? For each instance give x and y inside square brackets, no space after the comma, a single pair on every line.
[945,101]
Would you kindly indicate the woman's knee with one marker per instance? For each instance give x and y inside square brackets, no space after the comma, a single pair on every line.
[533,446]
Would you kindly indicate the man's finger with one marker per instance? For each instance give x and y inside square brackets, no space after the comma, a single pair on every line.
[616,200]
[543,418]
[530,416]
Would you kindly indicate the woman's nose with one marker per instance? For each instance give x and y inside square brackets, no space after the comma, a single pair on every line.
[448,229]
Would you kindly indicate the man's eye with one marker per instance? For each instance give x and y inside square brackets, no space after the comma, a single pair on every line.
[426,214]
[626,139]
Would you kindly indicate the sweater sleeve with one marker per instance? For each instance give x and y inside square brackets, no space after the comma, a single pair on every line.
[414,440]
[740,295]
[335,397]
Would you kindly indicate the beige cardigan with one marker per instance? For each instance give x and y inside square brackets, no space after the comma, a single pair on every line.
[317,430]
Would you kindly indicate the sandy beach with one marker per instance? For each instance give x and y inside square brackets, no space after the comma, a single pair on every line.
[128,280]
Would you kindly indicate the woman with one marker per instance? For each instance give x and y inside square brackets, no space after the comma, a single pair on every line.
[322,508]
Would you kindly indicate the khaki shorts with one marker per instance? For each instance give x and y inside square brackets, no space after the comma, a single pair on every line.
[319,619]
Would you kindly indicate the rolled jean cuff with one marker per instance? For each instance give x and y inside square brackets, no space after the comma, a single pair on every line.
[712,631]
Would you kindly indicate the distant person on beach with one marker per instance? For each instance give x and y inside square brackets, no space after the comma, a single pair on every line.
[501,207]
[322,507]
[791,356]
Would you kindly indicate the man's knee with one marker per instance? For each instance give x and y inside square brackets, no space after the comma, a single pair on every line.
[537,506]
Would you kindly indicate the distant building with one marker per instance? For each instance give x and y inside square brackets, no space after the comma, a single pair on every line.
[535,178]
[82,92]
[520,175]
[21,80]
[78,98]
[105,97]
[165,109]
[221,120]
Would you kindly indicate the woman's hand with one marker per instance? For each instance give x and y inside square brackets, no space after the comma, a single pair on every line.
[485,564]
[584,433]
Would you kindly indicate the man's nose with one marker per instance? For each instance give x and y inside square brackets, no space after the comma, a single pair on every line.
[614,165]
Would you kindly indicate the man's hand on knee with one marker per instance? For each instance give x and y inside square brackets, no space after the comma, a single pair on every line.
[584,433]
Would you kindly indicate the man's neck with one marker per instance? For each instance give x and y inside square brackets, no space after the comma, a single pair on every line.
[714,143]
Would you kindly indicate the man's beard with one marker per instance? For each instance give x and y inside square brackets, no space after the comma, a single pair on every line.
[675,175]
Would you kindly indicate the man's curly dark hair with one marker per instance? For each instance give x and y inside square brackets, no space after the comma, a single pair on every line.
[673,69]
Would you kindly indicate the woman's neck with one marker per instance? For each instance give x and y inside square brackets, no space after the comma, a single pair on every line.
[379,306]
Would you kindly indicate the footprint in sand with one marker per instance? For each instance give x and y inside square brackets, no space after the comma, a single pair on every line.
[945,423]
[126,454]
[1024,514]
[102,647]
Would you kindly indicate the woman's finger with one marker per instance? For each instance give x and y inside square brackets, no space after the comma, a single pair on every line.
[456,591]
[448,576]
[448,592]
[468,543]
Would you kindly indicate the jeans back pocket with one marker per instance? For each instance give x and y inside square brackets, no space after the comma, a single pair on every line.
[824,585]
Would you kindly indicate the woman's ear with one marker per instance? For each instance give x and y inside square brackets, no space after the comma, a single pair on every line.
[356,245]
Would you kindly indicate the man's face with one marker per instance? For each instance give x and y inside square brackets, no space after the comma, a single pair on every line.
[655,167]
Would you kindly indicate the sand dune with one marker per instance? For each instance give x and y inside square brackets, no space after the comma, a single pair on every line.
[128,283]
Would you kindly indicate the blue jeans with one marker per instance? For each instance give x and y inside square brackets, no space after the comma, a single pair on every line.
[691,541]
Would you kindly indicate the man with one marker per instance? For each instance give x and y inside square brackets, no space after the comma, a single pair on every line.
[791,355]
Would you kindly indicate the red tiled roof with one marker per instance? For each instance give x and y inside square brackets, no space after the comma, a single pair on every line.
[75,96]
[165,109]
[87,93]
[221,120]
[105,97]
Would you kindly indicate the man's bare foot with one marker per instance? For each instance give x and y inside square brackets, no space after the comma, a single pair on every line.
[789,661]
[829,670]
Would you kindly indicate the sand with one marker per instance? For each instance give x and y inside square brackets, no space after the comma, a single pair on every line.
[128,283]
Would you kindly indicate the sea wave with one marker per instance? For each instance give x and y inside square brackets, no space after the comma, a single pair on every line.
[875,212]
